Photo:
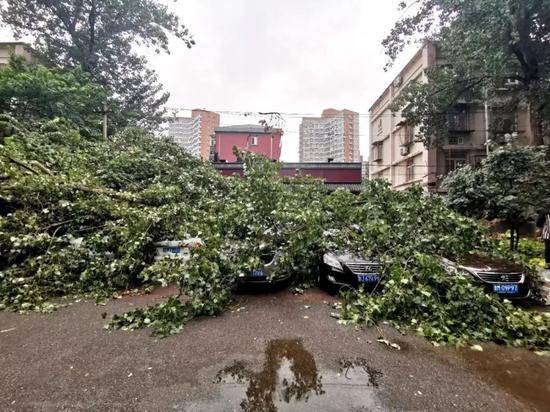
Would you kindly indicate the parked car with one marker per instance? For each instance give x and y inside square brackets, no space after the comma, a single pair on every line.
[177,249]
[344,270]
[506,279]
[264,275]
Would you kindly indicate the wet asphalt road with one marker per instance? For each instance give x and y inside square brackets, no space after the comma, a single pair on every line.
[269,352]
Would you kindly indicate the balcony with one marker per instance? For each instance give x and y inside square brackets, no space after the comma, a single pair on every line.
[458,119]
[502,122]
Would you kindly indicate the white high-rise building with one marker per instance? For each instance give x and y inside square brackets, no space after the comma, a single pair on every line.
[186,131]
[194,133]
[334,135]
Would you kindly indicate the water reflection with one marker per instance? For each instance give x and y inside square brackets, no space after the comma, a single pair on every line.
[291,381]
[289,374]
[347,366]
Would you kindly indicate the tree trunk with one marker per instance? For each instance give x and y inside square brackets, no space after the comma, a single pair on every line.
[514,237]
[535,124]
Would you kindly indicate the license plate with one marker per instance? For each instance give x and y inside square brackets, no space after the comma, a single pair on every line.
[505,288]
[257,273]
[174,249]
[370,278]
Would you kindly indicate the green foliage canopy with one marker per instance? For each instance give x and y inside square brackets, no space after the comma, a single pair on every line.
[32,92]
[484,45]
[512,184]
[82,216]
[99,37]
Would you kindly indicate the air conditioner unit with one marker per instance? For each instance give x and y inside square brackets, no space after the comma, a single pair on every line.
[404,150]
[397,82]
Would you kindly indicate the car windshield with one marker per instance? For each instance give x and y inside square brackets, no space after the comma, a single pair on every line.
[267,257]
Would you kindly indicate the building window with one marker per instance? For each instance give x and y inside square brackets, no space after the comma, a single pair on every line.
[455,160]
[377,151]
[408,134]
[380,127]
[503,121]
[254,141]
[409,170]
[456,140]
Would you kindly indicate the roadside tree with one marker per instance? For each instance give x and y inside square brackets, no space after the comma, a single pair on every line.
[100,38]
[512,184]
[32,92]
[495,50]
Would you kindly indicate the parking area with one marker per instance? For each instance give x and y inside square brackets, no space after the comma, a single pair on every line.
[267,352]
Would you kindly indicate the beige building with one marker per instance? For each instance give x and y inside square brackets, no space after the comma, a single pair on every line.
[395,156]
[15,48]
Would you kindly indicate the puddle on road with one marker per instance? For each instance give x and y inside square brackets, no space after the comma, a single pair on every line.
[291,381]
[522,374]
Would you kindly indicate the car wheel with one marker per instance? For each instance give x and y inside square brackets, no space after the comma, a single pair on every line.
[320,280]
[324,284]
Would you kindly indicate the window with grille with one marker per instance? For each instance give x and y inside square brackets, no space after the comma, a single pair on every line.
[455,160]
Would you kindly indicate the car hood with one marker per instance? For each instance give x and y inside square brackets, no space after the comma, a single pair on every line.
[481,263]
[347,256]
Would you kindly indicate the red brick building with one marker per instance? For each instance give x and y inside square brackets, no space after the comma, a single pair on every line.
[252,138]
[209,121]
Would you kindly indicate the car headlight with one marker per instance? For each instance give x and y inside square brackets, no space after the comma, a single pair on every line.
[455,270]
[333,262]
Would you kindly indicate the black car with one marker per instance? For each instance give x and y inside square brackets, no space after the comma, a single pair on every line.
[506,279]
[339,271]
[265,275]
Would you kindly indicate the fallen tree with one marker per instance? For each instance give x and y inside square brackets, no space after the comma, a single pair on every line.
[80,215]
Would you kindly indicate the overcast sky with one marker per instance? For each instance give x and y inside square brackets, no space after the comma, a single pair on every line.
[290,56]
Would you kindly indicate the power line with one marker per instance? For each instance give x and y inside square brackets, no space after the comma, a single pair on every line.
[292,115]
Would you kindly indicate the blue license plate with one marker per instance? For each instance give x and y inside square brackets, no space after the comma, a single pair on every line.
[370,278]
[505,288]
[174,249]
[257,273]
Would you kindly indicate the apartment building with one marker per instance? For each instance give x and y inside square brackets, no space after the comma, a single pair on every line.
[397,157]
[332,137]
[209,121]
[195,133]
[7,49]
[248,137]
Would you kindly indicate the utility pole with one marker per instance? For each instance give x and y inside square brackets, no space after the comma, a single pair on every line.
[486,120]
[105,121]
